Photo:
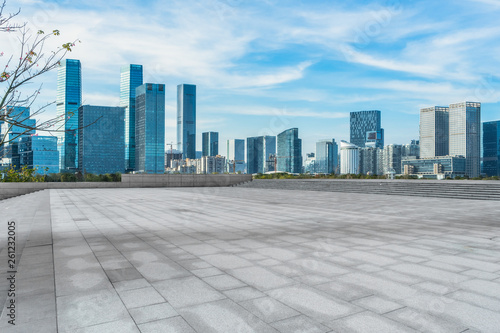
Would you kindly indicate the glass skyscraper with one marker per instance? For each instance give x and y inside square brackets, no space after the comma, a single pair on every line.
[186,120]
[260,154]
[39,153]
[326,156]
[150,128]
[9,151]
[69,99]
[366,127]
[289,151]
[130,78]
[101,139]
[434,131]
[236,155]
[465,134]
[210,144]
[491,148]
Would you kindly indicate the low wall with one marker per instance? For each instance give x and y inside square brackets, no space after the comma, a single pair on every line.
[8,190]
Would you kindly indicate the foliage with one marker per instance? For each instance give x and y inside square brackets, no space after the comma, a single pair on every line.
[21,176]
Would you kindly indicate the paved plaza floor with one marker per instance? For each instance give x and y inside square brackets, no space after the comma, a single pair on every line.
[250,260]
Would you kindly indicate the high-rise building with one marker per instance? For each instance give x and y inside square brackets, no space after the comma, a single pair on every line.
[235,156]
[434,131]
[369,159]
[69,99]
[392,156]
[411,150]
[39,153]
[439,167]
[366,128]
[210,143]
[310,163]
[150,128]
[465,134]
[326,156]
[10,134]
[172,155]
[101,139]
[491,148]
[289,153]
[260,153]
[130,78]
[211,164]
[349,158]
[186,120]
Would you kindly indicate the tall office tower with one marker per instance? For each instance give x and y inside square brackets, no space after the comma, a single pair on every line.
[210,143]
[69,99]
[491,148]
[235,156]
[434,131]
[101,139]
[368,160]
[366,128]
[289,151]
[310,163]
[392,158]
[260,153]
[211,164]
[130,78]
[150,128]
[349,158]
[186,120]
[39,153]
[326,156]
[411,150]
[465,134]
[10,135]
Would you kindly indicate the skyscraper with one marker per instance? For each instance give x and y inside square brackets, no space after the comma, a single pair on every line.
[392,156]
[366,127]
[210,143]
[260,151]
[236,155]
[186,120]
[130,78]
[465,134]
[326,156]
[10,135]
[69,99]
[289,151]
[491,148]
[349,158]
[39,153]
[434,131]
[369,159]
[101,139]
[150,128]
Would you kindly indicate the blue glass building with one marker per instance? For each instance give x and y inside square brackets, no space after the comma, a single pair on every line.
[289,151]
[326,156]
[39,153]
[260,154]
[366,128]
[69,99]
[101,139]
[236,155]
[491,148]
[210,144]
[9,151]
[150,128]
[186,120]
[130,78]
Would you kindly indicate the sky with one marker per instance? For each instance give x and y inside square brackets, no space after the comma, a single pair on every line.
[263,66]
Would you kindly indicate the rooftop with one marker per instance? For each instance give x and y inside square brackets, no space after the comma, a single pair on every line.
[250,260]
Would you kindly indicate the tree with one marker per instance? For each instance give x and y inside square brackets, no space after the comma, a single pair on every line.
[20,69]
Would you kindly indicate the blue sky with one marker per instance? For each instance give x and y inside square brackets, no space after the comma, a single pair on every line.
[263,66]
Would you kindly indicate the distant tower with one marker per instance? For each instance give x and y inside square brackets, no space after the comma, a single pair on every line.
[260,153]
[210,143]
[289,151]
[186,120]
[434,131]
[69,99]
[349,158]
[130,78]
[366,127]
[236,155]
[491,148]
[465,134]
[326,156]
[150,128]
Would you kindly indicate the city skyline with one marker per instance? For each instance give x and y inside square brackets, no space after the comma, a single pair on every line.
[379,58]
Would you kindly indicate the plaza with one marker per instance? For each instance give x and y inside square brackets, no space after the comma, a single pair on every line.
[243,259]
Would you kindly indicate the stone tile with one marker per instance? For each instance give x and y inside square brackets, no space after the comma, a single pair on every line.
[425,322]
[300,324]
[169,325]
[377,304]
[123,326]
[152,313]
[268,309]
[368,322]
[131,284]
[226,261]
[429,273]
[260,278]
[140,297]
[476,299]
[123,274]
[205,272]
[243,294]
[224,282]
[487,288]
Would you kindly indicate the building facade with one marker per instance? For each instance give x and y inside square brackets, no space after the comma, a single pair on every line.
[491,148]
[186,120]
[326,157]
[170,156]
[440,167]
[349,158]
[369,159]
[39,153]
[236,156]
[365,127]
[393,155]
[150,128]
[260,154]
[465,134]
[211,164]
[130,78]
[289,154]
[210,144]
[310,163]
[434,131]
[69,99]
[101,139]
[10,134]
